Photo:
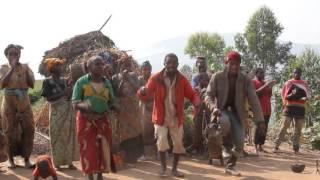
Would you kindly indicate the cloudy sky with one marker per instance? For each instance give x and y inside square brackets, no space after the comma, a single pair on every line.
[40,25]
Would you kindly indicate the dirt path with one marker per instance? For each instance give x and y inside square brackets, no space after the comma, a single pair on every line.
[266,166]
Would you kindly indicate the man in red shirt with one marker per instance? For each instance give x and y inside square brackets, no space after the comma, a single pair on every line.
[169,88]
[264,92]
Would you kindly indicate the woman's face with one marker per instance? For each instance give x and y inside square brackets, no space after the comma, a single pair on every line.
[96,67]
[57,69]
[13,55]
[146,71]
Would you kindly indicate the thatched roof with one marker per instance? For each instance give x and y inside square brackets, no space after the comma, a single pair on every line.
[76,47]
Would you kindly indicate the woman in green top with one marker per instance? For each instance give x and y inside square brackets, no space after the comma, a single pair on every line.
[92,95]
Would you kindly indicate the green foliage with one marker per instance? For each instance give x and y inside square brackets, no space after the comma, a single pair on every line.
[188,127]
[228,49]
[34,96]
[35,93]
[313,135]
[186,70]
[259,45]
[209,45]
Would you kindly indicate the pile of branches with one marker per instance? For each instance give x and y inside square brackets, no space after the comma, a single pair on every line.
[72,49]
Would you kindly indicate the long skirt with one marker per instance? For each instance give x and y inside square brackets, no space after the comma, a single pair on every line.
[64,146]
[130,131]
[94,137]
[18,125]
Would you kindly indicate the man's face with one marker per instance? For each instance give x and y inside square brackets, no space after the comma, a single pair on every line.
[233,67]
[171,65]
[297,74]
[202,65]
[13,55]
[96,67]
[260,74]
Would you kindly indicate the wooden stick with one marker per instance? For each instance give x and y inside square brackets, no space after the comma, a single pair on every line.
[43,135]
[105,23]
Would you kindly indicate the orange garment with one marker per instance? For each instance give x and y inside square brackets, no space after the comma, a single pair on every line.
[44,174]
[157,88]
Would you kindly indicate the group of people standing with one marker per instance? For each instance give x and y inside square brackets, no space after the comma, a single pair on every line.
[148,108]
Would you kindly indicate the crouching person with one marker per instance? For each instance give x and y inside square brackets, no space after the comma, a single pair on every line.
[169,88]
[91,97]
[44,168]
[226,96]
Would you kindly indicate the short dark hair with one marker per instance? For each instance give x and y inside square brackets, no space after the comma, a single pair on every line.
[200,58]
[15,46]
[145,63]
[257,70]
[172,55]
[298,69]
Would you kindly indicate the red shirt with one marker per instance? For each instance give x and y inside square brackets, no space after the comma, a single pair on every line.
[156,88]
[264,97]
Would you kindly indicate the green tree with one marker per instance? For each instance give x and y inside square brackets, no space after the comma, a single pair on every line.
[259,44]
[186,70]
[209,45]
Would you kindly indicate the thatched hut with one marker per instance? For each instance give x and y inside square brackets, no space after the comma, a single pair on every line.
[81,47]
[76,51]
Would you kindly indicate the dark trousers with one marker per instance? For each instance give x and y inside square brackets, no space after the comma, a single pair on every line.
[260,138]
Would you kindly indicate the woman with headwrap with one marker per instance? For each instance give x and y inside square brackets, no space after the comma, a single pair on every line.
[62,117]
[92,97]
[126,84]
[16,112]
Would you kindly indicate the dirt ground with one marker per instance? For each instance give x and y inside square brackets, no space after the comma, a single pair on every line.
[267,166]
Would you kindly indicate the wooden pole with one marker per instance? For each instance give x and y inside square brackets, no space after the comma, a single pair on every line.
[105,23]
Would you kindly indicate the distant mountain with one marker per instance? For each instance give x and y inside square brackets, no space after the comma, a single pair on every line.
[177,45]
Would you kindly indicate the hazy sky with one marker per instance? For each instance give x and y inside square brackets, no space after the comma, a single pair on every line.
[40,25]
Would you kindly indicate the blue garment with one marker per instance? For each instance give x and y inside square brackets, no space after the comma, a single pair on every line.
[234,141]
[19,93]
[195,80]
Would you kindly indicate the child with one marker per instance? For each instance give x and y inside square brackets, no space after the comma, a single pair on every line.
[44,168]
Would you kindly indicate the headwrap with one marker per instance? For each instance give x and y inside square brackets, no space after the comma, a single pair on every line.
[232,56]
[106,57]
[15,46]
[93,59]
[51,62]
